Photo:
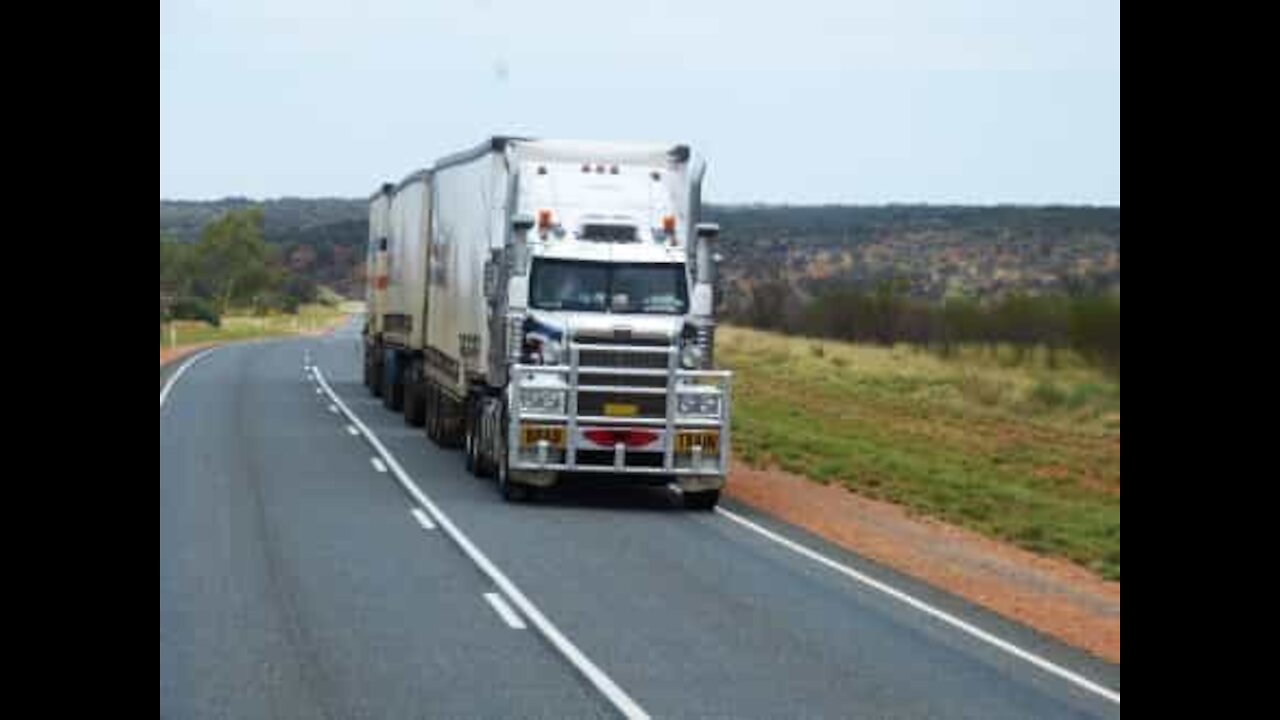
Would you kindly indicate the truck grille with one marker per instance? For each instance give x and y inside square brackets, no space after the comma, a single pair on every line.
[647,406]
[622,380]
[622,359]
[594,403]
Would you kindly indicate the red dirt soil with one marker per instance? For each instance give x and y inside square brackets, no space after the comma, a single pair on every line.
[1053,596]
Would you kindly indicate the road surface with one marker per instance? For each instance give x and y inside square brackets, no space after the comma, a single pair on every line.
[319,559]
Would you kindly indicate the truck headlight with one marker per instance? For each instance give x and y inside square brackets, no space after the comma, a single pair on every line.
[544,402]
[691,357]
[701,405]
[552,353]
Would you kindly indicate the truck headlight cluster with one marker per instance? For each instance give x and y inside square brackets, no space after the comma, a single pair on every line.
[702,405]
[547,402]
[552,353]
[691,357]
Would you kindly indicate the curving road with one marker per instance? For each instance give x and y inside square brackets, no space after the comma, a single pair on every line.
[319,559]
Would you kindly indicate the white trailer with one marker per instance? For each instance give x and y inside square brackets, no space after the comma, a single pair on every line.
[376,283]
[568,315]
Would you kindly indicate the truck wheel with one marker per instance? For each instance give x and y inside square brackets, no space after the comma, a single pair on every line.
[703,501]
[393,387]
[433,414]
[451,423]
[484,464]
[512,492]
[469,438]
[414,406]
[375,362]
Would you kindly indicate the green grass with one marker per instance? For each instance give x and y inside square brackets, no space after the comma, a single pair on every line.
[243,327]
[1021,449]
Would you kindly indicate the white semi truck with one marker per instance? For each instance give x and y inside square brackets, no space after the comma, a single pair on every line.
[548,307]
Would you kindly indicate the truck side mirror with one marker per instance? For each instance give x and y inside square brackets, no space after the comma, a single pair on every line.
[518,253]
[708,236]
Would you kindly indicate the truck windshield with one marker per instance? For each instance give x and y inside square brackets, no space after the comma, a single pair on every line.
[608,287]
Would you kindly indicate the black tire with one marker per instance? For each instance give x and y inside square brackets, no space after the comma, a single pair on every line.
[514,493]
[375,372]
[433,413]
[451,423]
[484,464]
[702,501]
[393,389]
[511,492]
[469,438]
[414,406]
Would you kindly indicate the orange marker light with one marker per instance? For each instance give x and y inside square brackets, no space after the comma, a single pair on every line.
[544,219]
[669,224]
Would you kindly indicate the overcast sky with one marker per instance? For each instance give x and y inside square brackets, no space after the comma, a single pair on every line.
[800,101]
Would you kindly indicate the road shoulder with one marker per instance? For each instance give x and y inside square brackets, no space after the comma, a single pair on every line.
[1052,596]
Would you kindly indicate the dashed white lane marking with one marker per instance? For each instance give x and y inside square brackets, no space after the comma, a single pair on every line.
[423,520]
[623,702]
[504,610]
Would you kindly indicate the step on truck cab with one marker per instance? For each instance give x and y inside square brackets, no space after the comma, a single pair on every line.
[553,314]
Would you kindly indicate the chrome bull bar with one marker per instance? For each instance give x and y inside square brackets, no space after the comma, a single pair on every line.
[566,377]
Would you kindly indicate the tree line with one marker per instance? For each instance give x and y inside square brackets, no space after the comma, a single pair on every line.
[229,266]
[886,314]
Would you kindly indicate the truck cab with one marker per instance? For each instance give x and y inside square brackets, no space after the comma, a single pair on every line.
[609,301]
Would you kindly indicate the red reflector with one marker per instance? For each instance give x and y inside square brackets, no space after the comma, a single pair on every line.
[640,438]
[607,438]
[629,438]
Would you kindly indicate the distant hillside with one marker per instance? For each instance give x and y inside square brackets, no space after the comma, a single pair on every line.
[938,251]
[322,240]
[981,253]
[186,219]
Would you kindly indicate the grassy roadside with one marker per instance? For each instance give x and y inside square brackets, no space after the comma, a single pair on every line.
[1026,452]
[309,319]
[189,335]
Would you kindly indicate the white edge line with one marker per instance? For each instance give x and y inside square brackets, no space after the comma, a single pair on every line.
[508,615]
[423,520]
[927,609]
[379,465]
[173,379]
[629,708]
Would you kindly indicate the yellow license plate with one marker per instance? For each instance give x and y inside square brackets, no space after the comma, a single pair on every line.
[708,441]
[531,435]
[620,410]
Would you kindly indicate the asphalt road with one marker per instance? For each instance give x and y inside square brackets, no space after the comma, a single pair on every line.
[297,582]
